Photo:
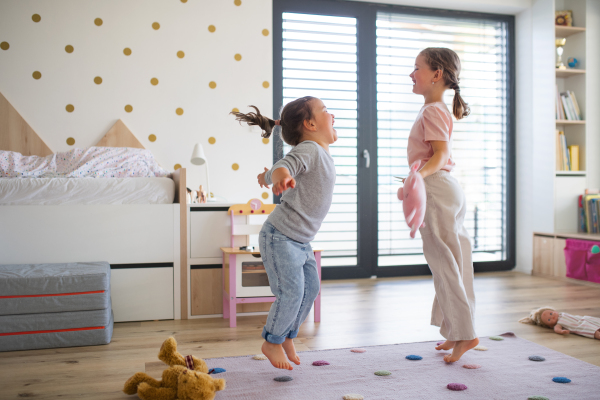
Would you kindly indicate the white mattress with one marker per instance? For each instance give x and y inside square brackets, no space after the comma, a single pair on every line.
[64,191]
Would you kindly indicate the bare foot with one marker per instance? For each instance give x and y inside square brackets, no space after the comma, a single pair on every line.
[290,350]
[274,353]
[460,348]
[597,334]
[447,345]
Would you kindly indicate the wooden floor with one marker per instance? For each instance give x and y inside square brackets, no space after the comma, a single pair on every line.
[355,313]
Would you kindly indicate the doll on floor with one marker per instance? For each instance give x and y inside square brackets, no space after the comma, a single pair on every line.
[564,323]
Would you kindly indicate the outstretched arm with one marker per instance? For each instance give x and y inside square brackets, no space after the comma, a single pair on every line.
[282,180]
[559,329]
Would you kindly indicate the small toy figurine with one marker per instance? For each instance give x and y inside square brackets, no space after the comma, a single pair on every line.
[413,198]
[564,323]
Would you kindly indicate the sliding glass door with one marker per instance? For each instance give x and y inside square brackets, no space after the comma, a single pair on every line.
[357,57]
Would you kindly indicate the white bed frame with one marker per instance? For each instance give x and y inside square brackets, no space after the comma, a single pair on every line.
[146,244]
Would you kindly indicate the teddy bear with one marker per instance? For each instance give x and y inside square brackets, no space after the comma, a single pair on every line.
[186,378]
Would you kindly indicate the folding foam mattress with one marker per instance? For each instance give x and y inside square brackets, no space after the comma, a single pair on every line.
[54,305]
[41,288]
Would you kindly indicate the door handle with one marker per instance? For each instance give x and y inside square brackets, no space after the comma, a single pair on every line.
[367,158]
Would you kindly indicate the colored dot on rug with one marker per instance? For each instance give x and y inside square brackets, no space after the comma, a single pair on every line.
[537,358]
[216,370]
[561,379]
[496,338]
[260,357]
[480,348]
[358,350]
[508,334]
[414,357]
[537,398]
[382,373]
[472,366]
[456,386]
[320,363]
[283,378]
[353,396]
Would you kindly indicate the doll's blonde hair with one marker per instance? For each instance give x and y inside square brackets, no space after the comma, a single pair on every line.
[535,317]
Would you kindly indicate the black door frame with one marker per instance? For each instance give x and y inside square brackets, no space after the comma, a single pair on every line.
[367,205]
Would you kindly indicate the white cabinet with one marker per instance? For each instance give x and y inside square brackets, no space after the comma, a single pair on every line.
[142,294]
[210,229]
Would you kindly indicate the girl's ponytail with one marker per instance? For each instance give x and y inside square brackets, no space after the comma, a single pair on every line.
[266,124]
[460,108]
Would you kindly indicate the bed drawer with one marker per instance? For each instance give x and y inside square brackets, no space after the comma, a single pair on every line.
[142,293]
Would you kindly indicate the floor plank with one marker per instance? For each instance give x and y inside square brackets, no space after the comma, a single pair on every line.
[354,313]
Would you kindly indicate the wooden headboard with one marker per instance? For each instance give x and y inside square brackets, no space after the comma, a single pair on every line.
[17,135]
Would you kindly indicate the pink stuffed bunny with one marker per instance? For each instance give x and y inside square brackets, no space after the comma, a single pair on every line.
[414,199]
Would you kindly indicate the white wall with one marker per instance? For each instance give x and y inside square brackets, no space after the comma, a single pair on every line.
[183,82]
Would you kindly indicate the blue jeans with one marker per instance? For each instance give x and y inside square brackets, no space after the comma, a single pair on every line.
[294,280]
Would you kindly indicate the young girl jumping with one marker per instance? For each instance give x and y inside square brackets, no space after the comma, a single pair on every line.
[307,176]
[446,243]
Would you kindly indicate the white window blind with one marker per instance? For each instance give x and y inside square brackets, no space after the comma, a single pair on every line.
[479,142]
[320,60]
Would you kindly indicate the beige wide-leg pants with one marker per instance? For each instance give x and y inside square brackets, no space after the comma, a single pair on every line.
[447,249]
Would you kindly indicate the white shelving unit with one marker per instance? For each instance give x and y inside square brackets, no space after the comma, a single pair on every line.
[568,185]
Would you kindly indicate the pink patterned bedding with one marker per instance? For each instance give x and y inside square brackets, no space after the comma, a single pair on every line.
[95,162]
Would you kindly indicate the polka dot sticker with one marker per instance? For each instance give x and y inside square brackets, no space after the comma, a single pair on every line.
[235,167]
[128,108]
[265,140]
[97,80]
[184,1]
[70,141]
[266,84]
[4,45]
[211,28]
[265,32]
[127,51]
[238,57]
[152,138]
[36,74]
[69,49]
[212,84]
[212,140]
[179,111]
[176,166]
[237,2]
[265,195]
[98,21]
[180,54]
[70,108]
[154,81]
[155,26]
[235,109]
[36,18]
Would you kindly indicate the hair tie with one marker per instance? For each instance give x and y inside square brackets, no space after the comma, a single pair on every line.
[457,90]
[277,122]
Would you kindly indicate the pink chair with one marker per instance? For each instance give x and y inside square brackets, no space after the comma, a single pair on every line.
[244,276]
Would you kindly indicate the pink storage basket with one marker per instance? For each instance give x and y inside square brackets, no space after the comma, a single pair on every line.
[592,267]
[576,255]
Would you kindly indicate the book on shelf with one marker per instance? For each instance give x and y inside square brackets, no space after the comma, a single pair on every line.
[588,213]
[567,107]
[567,157]
[574,157]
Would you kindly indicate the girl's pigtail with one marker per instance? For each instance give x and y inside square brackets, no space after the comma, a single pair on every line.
[460,108]
[266,124]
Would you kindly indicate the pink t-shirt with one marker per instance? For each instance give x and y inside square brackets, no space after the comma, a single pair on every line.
[434,122]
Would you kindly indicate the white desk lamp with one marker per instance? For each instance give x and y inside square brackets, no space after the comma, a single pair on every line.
[198,158]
